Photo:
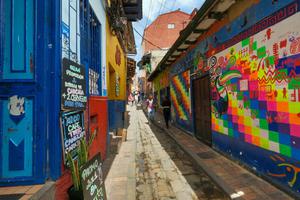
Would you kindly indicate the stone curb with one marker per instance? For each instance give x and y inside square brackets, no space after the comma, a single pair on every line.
[47,192]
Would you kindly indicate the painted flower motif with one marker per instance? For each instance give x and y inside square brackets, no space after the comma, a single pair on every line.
[16,105]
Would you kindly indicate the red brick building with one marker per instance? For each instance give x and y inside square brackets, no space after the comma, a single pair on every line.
[159,36]
[165,29]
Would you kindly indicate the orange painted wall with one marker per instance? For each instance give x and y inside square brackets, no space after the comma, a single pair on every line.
[98,121]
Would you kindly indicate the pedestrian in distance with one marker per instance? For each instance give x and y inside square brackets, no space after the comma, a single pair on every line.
[150,107]
[136,98]
[130,99]
[166,105]
[139,97]
[132,102]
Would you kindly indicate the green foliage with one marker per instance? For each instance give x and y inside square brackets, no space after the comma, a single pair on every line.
[75,165]
[74,171]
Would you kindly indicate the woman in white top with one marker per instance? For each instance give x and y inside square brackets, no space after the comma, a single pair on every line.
[150,107]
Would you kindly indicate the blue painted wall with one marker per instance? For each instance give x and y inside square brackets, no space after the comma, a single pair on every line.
[31,70]
[116,109]
[263,162]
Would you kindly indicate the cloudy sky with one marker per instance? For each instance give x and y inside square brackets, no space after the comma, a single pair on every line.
[153,8]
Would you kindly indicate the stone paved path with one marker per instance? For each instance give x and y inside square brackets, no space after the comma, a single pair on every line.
[203,186]
[143,169]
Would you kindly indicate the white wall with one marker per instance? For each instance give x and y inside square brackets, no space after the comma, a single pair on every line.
[156,57]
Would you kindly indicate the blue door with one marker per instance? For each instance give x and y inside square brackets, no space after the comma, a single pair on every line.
[22,105]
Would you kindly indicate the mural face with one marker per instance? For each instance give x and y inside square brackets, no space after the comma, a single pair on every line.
[180,97]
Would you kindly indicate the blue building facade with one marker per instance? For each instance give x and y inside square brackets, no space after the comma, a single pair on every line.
[35,36]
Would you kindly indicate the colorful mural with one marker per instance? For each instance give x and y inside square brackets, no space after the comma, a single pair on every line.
[160,83]
[256,84]
[162,80]
[286,170]
[255,79]
[256,90]
[180,98]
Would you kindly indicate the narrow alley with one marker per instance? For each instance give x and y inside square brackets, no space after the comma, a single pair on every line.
[149,99]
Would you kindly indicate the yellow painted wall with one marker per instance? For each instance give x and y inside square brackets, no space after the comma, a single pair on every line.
[161,81]
[113,69]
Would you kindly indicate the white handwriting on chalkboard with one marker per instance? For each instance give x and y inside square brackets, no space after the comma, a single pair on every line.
[74,129]
[91,181]
[75,69]
[75,97]
[72,119]
[73,74]
[71,85]
[89,170]
[100,194]
[71,143]
[93,189]
[75,91]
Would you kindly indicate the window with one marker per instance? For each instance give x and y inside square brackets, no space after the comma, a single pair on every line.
[91,46]
[171,26]
[70,30]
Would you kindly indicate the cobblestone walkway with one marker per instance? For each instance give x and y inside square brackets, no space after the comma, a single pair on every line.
[197,178]
[157,175]
[143,169]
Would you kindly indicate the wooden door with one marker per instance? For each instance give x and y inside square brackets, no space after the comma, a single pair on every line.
[202,108]
[22,93]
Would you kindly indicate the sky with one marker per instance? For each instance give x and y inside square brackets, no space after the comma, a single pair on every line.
[153,8]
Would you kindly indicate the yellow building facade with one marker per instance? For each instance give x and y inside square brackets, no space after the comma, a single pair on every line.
[116,66]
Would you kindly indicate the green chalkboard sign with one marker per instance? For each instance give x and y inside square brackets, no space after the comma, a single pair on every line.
[73,131]
[92,179]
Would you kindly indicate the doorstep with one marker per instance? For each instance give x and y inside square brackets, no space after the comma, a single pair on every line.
[233,179]
[33,192]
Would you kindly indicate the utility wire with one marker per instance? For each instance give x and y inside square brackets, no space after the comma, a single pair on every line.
[150,10]
[147,19]
[147,39]
[161,5]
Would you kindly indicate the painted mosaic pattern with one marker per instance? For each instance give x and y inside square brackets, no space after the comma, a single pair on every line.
[180,96]
[256,89]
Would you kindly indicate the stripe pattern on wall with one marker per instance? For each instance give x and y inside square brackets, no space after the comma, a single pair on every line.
[180,96]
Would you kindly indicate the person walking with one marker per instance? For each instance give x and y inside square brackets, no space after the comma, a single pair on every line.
[166,105]
[136,98]
[150,107]
[130,99]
